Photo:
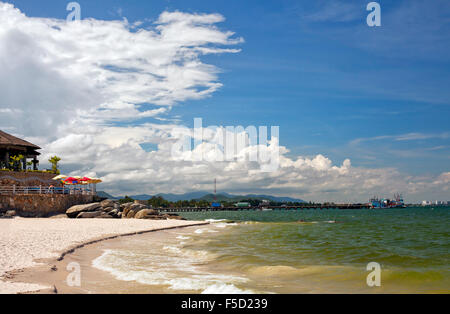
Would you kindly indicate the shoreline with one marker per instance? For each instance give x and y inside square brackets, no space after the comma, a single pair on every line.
[54,272]
[16,265]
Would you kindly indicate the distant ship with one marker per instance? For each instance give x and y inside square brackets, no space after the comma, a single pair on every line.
[397,202]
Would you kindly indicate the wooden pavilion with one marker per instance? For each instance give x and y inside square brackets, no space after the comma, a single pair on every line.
[13,146]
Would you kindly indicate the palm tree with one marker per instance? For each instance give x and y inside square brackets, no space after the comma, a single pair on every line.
[54,161]
[15,162]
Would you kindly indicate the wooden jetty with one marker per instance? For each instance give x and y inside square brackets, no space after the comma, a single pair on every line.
[261,208]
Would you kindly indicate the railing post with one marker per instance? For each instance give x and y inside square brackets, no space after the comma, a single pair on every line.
[14,189]
[40,189]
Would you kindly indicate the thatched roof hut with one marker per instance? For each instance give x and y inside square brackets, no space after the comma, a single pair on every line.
[14,146]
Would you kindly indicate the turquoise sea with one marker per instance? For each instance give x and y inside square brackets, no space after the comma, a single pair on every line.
[304,251]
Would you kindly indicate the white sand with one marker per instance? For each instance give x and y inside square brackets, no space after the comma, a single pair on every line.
[24,240]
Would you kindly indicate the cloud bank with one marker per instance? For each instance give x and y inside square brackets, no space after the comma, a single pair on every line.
[89,90]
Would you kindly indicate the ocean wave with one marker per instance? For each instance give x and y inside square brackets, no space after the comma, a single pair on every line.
[225,289]
[282,270]
[215,220]
[172,249]
[180,276]
[201,231]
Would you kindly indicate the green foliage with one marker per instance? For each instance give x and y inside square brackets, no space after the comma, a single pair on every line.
[158,202]
[126,199]
[54,160]
[15,162]
[33,171]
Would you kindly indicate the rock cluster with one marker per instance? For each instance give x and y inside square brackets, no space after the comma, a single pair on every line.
[8,213]
[112,209]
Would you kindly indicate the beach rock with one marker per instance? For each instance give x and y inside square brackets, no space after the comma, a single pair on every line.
[114,213]
[107,209]
[131,214]
[174,217]
[125,212]
[145,212]
[125,205]
[136,207]
[89,214]
[119,215]
[10,213]
[107,203]
[73,211]
[116,206]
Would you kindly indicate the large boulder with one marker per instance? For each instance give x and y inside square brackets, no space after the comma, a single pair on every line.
[137,207]
[105,216]
[90,214]
[114,213]
[145,212]
[10,213]
[107,203]
[107,209]
[130,214]
[73,211]
[125,212]
[174,217]
[126,205]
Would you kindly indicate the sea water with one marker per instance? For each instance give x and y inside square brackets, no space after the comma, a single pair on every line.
[303,251]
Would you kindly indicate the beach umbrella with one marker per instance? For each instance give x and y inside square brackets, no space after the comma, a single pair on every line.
[71,180]
[95,180]
[60,177]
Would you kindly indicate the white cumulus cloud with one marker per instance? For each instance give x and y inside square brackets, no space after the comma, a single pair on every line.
[85,91]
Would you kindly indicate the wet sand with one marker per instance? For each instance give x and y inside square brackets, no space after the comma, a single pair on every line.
[30,248]
[54,273]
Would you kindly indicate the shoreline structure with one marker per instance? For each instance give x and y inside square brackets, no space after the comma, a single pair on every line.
[32,242]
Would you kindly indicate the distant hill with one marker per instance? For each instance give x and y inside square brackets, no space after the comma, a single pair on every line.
[233,198]
[103,194]
[208,197]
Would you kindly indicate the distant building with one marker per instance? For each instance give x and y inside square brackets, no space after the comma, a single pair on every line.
[437,203]
[243,204]
[13,146]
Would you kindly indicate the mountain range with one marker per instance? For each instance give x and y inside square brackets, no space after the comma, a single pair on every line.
[206,196]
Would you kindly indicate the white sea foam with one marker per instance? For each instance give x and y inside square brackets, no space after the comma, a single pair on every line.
[225,289]
[173,249]
[179,271]
[215,220]
[220,225]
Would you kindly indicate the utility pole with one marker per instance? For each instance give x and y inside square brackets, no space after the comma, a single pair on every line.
[215,190]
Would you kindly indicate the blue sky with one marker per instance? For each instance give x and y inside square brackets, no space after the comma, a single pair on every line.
[335,86]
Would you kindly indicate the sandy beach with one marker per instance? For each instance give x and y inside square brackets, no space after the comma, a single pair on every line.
[24,243]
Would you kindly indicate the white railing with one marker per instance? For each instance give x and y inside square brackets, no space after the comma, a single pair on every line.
[27,190]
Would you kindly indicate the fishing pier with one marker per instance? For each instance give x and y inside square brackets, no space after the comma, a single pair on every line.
[264,208]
